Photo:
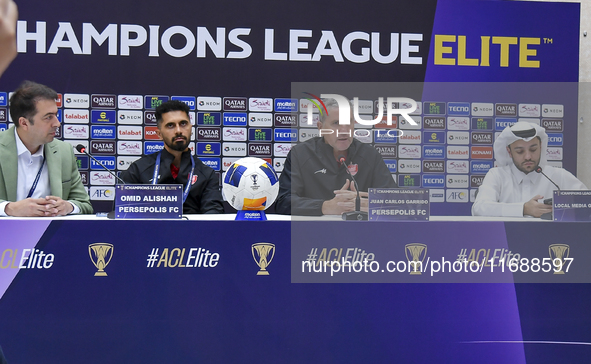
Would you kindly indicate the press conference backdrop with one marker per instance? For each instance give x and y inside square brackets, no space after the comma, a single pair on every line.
[234,65]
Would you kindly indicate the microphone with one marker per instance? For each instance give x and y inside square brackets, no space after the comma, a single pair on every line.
[357,214]
[539,170]
[548,201]
[80,148]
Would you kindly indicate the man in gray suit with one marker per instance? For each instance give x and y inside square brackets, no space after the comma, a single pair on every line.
[38,175]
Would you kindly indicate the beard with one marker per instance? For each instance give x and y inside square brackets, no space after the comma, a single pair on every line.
[178,145]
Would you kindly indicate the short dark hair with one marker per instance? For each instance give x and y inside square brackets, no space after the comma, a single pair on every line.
[23,102]
[168,106]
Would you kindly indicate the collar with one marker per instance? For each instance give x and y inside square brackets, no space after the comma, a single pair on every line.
[519,176]
[22,149]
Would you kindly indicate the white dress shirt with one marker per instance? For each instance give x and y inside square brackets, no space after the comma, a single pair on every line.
[28,167]
[506,189]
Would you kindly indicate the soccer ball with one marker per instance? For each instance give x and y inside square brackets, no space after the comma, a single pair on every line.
[250,184]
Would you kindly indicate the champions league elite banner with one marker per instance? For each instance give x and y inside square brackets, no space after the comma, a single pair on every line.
[113,63]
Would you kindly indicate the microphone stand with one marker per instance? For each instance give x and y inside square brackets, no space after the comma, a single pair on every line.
[357,214]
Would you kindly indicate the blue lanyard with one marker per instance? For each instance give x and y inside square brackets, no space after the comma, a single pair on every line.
[36,179]
[157,169]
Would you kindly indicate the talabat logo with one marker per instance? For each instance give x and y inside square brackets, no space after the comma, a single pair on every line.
[458,108]
[260,104]
[285,120]
[103,116]
[235,104]
[130,102]
[227,162]
[130,117]
[451,50]
[410,137]
[458,152]
[103,101]
[129,132]
[103,132]
[458,123]
[79,101]
[76,116]
[434,122]
[189,100]
[153,101]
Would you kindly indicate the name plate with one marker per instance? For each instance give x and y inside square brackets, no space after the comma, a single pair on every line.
[148,201]
[398,204]
[572,205]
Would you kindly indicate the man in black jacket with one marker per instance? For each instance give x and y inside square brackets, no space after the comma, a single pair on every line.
[175,164]
[314,182]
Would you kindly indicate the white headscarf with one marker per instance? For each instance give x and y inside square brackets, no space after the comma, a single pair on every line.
[521,130]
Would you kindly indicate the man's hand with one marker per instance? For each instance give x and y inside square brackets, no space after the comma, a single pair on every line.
[58,207]
[8,17]
[344,200]
[534,208]
[29,207]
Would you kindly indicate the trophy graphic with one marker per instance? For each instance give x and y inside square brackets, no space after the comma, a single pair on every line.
[415,250]
[263,250]
[99,252]
[559,251]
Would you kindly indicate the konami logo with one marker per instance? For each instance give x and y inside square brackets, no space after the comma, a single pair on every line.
[482,152]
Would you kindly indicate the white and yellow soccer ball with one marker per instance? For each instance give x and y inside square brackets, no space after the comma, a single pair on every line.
[250,184]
